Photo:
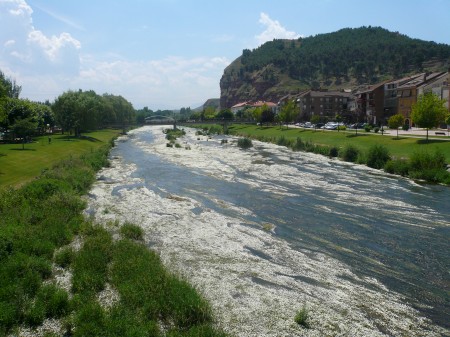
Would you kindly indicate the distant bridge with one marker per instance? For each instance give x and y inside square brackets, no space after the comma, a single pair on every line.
[161,120]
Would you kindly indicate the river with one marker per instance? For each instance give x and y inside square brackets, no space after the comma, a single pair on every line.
[266,231]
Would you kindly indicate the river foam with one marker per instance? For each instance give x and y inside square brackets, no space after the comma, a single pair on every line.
[254,280]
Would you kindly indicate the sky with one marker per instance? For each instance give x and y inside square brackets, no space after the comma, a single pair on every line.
[168,54]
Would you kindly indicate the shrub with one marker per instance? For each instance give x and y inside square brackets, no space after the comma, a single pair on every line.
[298,144]
[429,167]
[433,175]
[376,129]
[309,146]
[283,141]
[377,156]
[244,143]
[397,166]
[334,151]
[367,128]
[133,232]
[349,153]
[321,149]
[301,318]
[43,188]
[425,160]
[215,130]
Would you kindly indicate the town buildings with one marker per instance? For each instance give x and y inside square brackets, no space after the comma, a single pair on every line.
[372,104]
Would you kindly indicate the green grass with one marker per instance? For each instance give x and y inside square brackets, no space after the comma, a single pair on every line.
[301,318]
[398,148]
[18,166]
[39,221]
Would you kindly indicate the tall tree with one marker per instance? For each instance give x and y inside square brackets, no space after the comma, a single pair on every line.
[257,115]
[396,121]
[9,87]
[288,112]
[22,128]
[428,111]
[267,114]
[209,112]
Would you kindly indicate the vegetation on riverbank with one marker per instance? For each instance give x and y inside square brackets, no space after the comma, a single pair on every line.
[18,166]
[60,271]
[411,157]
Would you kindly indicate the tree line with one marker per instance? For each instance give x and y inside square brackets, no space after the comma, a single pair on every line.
[73,112]
[367,54]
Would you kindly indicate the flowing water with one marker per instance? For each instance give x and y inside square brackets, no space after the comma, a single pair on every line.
[265,232]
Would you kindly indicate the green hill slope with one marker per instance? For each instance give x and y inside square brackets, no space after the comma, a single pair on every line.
[345,58]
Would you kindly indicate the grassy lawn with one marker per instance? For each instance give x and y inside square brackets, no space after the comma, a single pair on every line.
[18,166]
[402,147]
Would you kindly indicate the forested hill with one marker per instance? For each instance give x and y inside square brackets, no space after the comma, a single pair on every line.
[345,58]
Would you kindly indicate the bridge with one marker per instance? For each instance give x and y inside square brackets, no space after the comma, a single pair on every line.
[166,120]
[160,120]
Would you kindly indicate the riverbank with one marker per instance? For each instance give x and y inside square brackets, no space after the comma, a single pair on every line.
[19,166]
[405,156]
[61,274]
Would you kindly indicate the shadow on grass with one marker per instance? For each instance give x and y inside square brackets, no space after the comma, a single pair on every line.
[91,139]
[22,149]
[73,138]
[432,141]
[357,135]
[2,155]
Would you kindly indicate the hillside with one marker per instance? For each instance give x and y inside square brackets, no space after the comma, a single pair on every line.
[342,59]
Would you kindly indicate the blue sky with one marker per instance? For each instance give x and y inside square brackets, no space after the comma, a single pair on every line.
[168,54]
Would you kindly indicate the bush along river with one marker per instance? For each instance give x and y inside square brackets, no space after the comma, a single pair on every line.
[266,232]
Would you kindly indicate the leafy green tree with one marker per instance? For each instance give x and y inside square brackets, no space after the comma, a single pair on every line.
[123,110]
[225,114]
[9,87]
[267,114]
[447,120]
[82,111]
[142,114]
[257,115]
[428,111]
[22,128]
[396,121]
[196,116]
[66,108]
[288,112]
[209,113]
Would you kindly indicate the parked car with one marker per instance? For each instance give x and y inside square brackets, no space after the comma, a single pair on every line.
[331,126]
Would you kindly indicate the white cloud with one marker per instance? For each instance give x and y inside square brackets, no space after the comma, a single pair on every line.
[46,66]
[274,30]
[30,51]
[172,82]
